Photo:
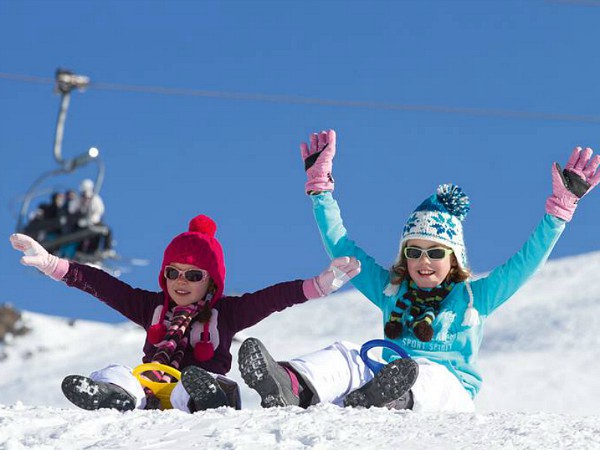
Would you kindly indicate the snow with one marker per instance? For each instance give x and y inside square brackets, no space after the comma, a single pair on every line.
[539,361]
[322,426]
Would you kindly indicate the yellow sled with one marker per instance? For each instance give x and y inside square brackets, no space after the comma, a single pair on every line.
[161,390]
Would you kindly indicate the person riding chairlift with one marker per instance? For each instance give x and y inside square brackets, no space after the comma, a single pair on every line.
[91,207]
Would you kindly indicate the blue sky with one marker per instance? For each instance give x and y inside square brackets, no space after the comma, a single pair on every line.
[170,157]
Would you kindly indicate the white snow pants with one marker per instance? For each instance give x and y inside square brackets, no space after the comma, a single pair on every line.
[337,370]
[122,376]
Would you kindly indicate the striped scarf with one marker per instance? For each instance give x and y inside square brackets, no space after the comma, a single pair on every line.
[425,307]
[416,310]
[172,347]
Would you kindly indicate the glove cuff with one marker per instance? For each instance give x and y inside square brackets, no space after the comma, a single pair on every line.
[61,269]
[319,184]
[311,289]
[561,207]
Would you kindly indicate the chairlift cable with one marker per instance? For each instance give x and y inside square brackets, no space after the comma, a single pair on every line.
[289,99]
[576,2]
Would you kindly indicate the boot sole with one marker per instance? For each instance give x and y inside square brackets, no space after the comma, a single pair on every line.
[389,384]
[256,369]
[203,389]
[87,394]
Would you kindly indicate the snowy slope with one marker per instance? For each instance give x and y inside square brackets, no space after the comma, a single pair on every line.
[539,361]
[321,427]
[541,351]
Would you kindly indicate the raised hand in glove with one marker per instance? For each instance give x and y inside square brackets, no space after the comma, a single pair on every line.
[37,256]
[318,161]
[340,271]
[578,178]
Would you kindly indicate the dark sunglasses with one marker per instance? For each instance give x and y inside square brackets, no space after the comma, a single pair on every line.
[193,275]
[435,253]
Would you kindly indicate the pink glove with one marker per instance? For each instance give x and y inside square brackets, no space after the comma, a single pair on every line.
[318,161]
[340,271]
[571,184]
[38,257]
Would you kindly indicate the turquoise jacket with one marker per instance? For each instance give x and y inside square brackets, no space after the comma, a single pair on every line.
[453,345]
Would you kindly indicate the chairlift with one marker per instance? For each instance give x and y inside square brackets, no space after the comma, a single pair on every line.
[62,231]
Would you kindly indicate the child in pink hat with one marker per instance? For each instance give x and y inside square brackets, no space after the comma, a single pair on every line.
[190,323]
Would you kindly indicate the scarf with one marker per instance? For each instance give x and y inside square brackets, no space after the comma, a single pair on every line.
[416,310]
[172,347]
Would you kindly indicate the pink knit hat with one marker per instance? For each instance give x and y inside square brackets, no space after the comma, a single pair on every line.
[198,247]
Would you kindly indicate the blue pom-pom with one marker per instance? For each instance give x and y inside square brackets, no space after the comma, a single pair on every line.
[454,200]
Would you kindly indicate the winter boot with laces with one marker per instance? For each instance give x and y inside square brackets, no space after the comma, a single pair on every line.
[89,394]
[205,392]
[390,386]
[276,384]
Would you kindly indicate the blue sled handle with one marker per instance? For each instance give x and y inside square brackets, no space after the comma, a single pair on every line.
[374,365]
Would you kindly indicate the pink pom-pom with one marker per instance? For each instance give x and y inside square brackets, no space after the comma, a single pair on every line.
[203,351]
[156,333]
[203,224]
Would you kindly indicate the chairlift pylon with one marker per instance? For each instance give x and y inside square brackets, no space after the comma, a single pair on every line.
[66,82]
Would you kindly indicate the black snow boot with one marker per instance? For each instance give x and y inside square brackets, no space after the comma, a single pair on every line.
[390,386]
[89,394]
[205,392]
[404,402]
[276,385]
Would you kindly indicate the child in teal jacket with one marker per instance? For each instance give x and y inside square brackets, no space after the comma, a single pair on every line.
[430,306]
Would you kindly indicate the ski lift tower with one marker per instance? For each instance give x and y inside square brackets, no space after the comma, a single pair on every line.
[65,82]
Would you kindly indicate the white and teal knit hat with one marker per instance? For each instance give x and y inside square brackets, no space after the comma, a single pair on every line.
[439,219]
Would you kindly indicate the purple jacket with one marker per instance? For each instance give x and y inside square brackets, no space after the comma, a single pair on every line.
[230,314]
